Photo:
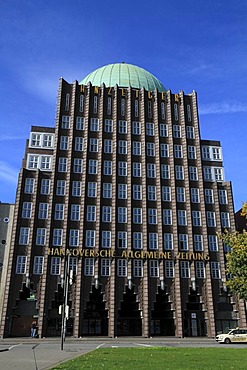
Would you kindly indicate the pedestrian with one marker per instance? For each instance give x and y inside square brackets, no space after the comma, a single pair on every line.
[33,329]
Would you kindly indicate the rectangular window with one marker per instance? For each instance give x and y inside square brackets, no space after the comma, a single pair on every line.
[151,170]
[149,129]
[198,242]
[122,107]
[206,153]
[40,236]
[213,243]
[107,168]
[122,168]
[153,268]
[89,267]
[196,218]
[61,187]
[163,130]
[45,186]
[109,125]
[90,239]
[26,210]
[176,112]
[92,189]
[137,169]
[95,104]
[190,132]
[178,152]
[164,150]
[80,121]
[77,168]
[136,148]
[107,190]
[47,141]
[108,146]
[65,122]
[223,196]
[152,192]
[21,264]
[136,128]
[35,140]
[106,214]
[136,108]
[193,173]
[75,212]
[91,213]
[137,268]
[188,108]
[137,215]
[122,191]
[43,211]
[137,240]
[200,270]
[122,215]
[208,173]
[62,164]
[183,242]
[153,241]
[122,267]
[38,265]
[122,147]
[216,153]
[92,166]
[73,264]
[195,197]
[76,188]
[150,149]
[94,124]
[177,131]
[29,186]
[33,161]
[215,270]
[180,194]
[218,174]
[93,145]
[169,269]
[166,193]
[191,152]
[109,105]
[74,238]
[64,142]
[182,218]
[45,162]
[122,127]
[225,219]
[55,265]
[57,237]
[59,211]
[106,239]
[105,267]
[209,196]
[168,241]
[179,172]
[165,171]
[137,192]
[185,269]
[152,216]
[163,111]
[122,239]
[167,217]
[211,221]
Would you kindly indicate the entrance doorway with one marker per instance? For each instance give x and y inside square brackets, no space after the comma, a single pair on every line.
[129,319]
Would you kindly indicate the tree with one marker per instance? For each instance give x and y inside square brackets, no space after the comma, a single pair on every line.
[236,266]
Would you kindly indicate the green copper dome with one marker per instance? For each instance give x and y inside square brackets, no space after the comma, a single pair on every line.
[123,75]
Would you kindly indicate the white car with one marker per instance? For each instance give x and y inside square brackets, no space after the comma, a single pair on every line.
[232,336]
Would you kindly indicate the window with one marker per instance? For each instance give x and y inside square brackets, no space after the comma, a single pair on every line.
[26,210]
[62,164]
[74,238]
[90,239]
[137,240]
[218,174]
[77,165]
[122,107]
[137,172]
[136,128]
[169,269]
[75,212]
[92,189]
[33,161]
[168,241]
[177,131]
[89,267]
[80,121]
[61,187]
[122,239]
[225,219]
[137,215]
[183,242]
[57,237]
[122,147]
[188,108]
[136,147]
[107,168]
[150,149]
[180,194]
[122,267]
[167,217]
[216,154]
[166,193]
[206,153]
[59,212]
[36,140]
[122,191]
[55,265]
[152,192]
[209,196]
[185,269]
[211,221]
[151,170]
[152,216]
[153,268]
[137,192]
[91,213]
[105,267]
[149,129]
[190,132]
[163,130]
[45,186]
[95,104]
[21,264]
[165,171]
[24,235]
[67,100]
[182,219]
[191,152]
[176,112]
[122,168]
[153,241]
[108,147]
[107,190]
[106,239]
[109,124]
[196,218]
[122,127]
[94,124]
[223,196]
[163,111]
[137,268]
[179,172]
[45,162]
[64,142]
[29,186]
[215,270]
[193,173]
[79,143]
[149,109]
[195,198]
[93,145]
[81,103]
[92,166]
[213,243]
[47,141]
[43,210]
[164,150]
[76,188]
[106,214]
[198,242]
[208,173]
[38,265]
[136,108]
[65,122]
[73,264]
[178,152]
[122,215]
[200,270]
[40,236]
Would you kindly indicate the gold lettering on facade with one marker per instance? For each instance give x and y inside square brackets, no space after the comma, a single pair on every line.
[123,92]
[150,95]
[109,91]
[176,96]
[163,95]
[96,89]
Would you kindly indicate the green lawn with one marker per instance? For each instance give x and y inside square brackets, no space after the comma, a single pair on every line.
[158,358]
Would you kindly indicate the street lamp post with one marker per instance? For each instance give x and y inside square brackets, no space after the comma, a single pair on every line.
[65,307]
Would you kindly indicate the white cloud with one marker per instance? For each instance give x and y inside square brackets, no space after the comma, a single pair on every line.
[8,174]
[223,107]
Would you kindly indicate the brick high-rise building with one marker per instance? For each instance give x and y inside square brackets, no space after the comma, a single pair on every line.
[124,190]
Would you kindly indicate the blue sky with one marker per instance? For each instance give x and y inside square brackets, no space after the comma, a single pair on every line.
[189,45]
